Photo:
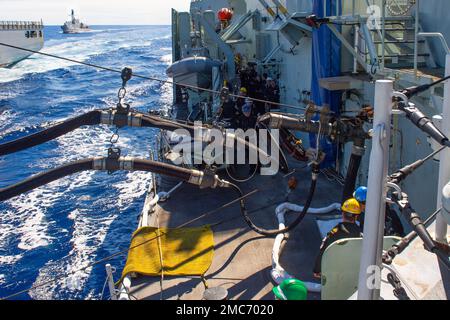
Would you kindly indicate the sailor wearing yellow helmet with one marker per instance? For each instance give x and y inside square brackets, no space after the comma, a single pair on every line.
[348,228]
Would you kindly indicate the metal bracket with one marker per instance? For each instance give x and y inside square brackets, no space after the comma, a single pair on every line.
[112,162]
[126,75]
[124,108]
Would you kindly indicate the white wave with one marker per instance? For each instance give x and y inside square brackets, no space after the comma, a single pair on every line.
[166,96]
[28,212]
[27,217]
[89,233]
[79,49]
[6,118]
[167,59]
[9,260]
[134,187]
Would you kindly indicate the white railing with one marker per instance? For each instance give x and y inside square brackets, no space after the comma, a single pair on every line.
[21,25]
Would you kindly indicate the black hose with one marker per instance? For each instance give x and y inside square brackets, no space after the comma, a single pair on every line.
[353,169]
[294,224]
[162,168]
[425,124]
[94,118]
[90,118]
[352,175]
[443,257]
[418,226]
[165,124]
[290,123]
[44,178]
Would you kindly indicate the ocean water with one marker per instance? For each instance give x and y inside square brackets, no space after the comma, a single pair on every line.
[68,224]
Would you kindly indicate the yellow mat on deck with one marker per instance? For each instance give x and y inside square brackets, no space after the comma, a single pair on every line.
[185,252]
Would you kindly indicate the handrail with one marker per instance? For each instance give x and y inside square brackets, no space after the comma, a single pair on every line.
[20,25]
[436,35]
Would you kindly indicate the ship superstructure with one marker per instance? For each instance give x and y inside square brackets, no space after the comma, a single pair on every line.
[25,34]
[330,55]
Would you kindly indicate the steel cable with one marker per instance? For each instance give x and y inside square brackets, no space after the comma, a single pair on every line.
[150,77]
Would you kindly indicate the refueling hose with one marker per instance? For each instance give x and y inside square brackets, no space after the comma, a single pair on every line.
[119,119]
[90,118]
[279,121]
[353,169]
[419,227]
[202,179]
[295,223]
[417,117]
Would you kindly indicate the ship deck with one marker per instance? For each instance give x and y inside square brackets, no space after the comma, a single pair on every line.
[242,258]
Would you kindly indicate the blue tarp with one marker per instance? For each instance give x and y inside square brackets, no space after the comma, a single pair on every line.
[326,62]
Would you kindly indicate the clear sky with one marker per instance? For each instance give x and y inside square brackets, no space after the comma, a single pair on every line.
[93,12]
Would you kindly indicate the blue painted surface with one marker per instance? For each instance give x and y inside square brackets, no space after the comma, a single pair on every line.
[326,62]
[67,225]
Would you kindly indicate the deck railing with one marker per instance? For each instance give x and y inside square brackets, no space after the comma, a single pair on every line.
[379,14]
[21,25]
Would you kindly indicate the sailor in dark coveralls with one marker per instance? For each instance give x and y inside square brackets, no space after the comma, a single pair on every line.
[347,229]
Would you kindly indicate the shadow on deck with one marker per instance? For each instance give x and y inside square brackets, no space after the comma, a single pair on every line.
[242,258]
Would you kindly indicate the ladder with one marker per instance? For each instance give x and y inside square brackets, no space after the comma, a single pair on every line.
[399,42]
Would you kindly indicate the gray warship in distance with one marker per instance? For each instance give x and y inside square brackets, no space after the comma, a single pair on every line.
[363,101]
[74,25]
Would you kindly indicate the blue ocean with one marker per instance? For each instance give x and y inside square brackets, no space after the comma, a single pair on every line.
[65,226]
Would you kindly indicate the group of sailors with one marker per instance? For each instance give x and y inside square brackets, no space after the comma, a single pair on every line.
[243,112]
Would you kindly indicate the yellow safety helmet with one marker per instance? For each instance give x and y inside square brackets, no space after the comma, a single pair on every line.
[243,90]
[352,206]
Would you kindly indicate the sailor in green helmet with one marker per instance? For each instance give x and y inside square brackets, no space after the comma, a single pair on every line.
[291,289]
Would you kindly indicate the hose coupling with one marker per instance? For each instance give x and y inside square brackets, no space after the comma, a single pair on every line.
[206,179]
[115,118]
[111,164]
[315,167]
[223,184]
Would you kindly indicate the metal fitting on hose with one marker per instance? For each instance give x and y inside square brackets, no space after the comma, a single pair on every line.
[206,179]
[315,168]
[358,151]
[114,118]
[109,164]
